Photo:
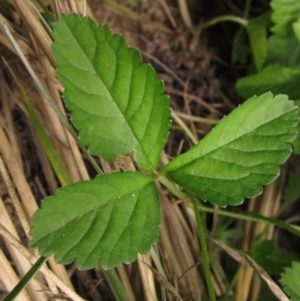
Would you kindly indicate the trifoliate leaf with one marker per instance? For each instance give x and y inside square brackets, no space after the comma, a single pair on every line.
[285,12]
[276,79]
[241,153]
[116,101]
[105,220]
[290,281]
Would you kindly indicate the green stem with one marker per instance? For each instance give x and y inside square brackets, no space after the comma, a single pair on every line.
[247,8]
[216,20]
[46,11]
[203,244]
[200,229]
[122,8]
[254,217]
[115,285]
[172,187]
[25,280]
[184,127]
[195,118]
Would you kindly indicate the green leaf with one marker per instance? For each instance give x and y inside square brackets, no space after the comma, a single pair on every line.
[241,153]
[265,293]
[285,12]
[296,142]
[290,281]
[257,31]
[105,220]
[292,190]
[296,28]
[283,51]
[116,100]
[240,48]
[271,261]
[276,79]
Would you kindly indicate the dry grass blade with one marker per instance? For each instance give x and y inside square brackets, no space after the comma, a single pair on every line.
[14,198]
[165,283]
[247,260]
[22,264]
[267,205]
[32,258]
[10,279]
[147,278]
[28,15]
[14,148]
[185,14]
[181,249]
[168,12]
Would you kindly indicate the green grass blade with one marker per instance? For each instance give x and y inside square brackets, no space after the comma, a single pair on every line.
[25,279]
[51,153]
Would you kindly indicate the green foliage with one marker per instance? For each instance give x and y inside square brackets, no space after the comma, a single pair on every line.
[272,78]
[265,293]
[292,190]
[280,72]
[240,154]
[118,106]
[105,220]
[296,142]
[272,262]
[116,101]
[284,52]
[257,32]
[285,13]
[296,27]
[240,49]
[281,64]
[290,281]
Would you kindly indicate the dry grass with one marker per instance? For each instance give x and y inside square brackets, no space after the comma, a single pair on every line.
[27,176]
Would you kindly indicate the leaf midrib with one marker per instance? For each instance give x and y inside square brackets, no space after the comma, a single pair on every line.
[111,99]
[218,147]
